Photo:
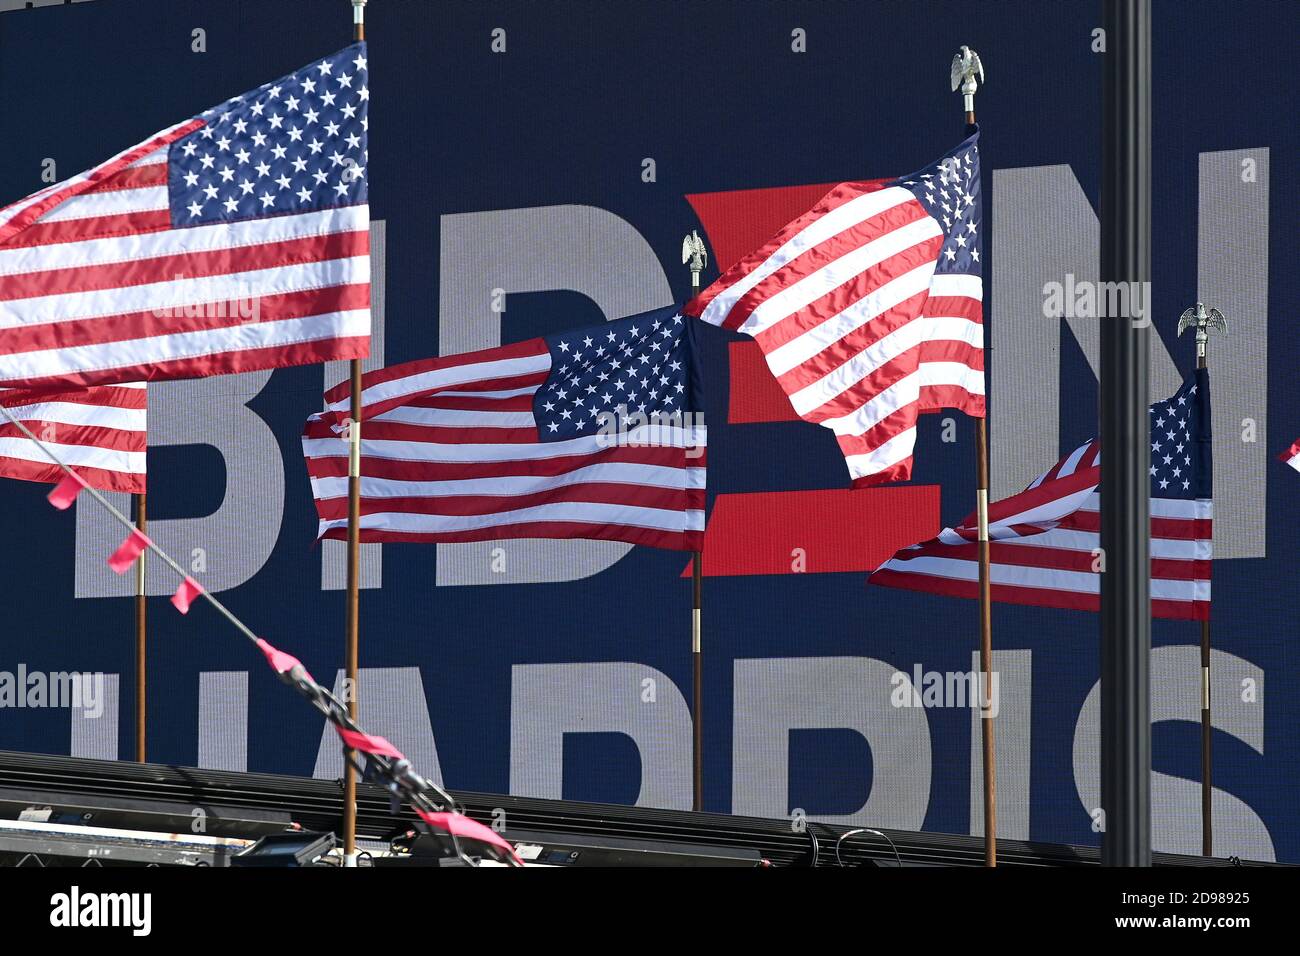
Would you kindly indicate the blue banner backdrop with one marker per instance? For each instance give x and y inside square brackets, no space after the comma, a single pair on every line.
[530,170]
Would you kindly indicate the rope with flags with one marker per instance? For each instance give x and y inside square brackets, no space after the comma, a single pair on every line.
[385,764]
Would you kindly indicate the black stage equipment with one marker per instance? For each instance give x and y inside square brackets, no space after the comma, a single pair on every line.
[318,805]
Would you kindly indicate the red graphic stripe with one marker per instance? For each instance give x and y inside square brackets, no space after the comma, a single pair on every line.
[815,532]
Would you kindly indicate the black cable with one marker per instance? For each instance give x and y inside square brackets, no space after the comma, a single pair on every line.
[816,846]
[884,836]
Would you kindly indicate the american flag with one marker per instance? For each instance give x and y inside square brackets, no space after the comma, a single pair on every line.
[1045,541]
[868,309]
[587,434]
[236,240]
[98,431]
[1292,455]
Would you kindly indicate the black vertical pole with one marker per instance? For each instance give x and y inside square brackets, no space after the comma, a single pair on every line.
[1126,456]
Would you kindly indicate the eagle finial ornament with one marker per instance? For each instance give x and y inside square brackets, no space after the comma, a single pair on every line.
[967,75]
[1202,319]
[694,252]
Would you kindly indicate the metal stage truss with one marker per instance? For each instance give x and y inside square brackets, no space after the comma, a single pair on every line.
[246,804]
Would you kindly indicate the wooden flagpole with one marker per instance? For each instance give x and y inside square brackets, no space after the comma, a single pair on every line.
[353,605]
[696,256]
[986,644]
[141,642]
[967,74]
[1207,789]
[1203,320]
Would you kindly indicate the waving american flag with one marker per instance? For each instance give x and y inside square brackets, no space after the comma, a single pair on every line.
[233,241]
[98,431]
[1045,541]
[586,434]
[868,309]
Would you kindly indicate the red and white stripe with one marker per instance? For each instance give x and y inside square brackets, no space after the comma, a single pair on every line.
[856,327]
[1045,545]
[96,286]
[450,451]
[1292,455]
[98,431]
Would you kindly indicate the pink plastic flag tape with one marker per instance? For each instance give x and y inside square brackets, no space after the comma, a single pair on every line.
[462,826]
[280,662]
[65,492]
[186,594]
[1292,455]
[126,553]
[368,744]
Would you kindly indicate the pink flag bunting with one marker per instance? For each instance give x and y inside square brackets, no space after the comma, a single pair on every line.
[1292,455]
[280,662]
[65,492]
[368,744]
[130,549]
[186,594]
[459,825]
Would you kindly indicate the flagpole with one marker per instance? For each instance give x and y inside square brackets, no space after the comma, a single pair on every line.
[1207,790]
[1203,320]
[353,605]
[696,256]
[967,74]
[986,643]
[141,642]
